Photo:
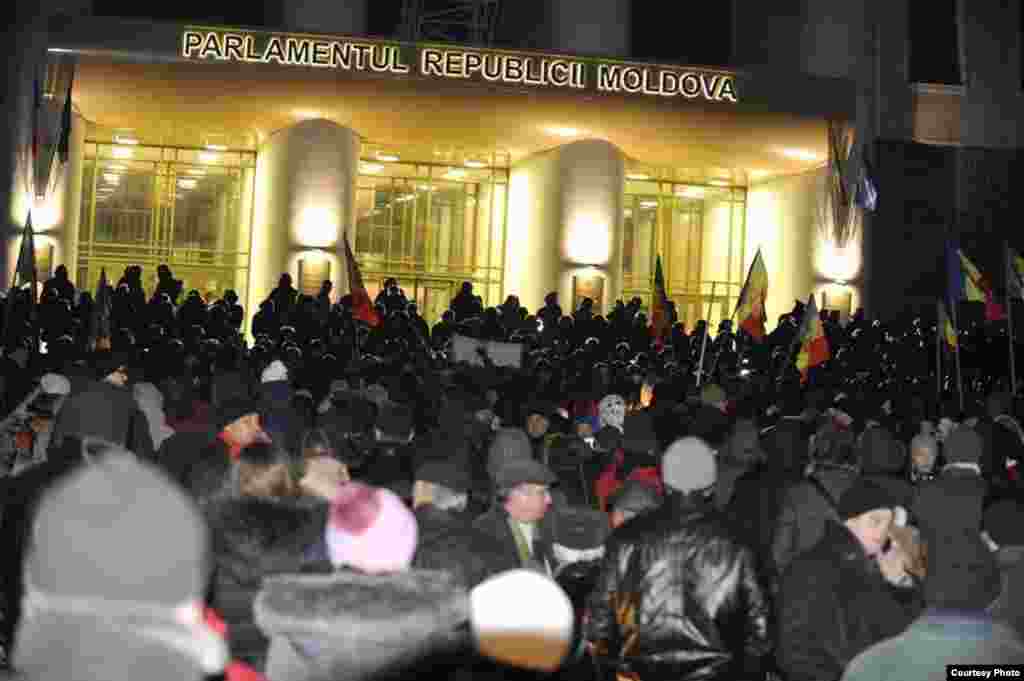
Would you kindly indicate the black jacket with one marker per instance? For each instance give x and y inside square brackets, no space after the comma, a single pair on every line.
[495,525]
[834,603]
[678,597]
[448,541]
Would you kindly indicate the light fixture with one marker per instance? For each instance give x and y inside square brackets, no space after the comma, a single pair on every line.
[454,174]
[404,198]
[111,178]
[387,156]
[475,163]
[207,157]
[563,132]
[370,168]
[639,177]
[799,154]
[691,192]
[187,184]
[196,171]
[648,204]
[425,188]
[719,183]
[125,139]
[216,147]
[116,167]
[122,152]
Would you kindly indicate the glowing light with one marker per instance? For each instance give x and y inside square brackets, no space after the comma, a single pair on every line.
[426,188]
[563,132]
[196,171]
[405,198]
[799,154]
[207,157]
[125,139]
[371,168]
[188,184]
[838,264]
[122,152]
[639,177]
[648,204]
[387,156]
[588,241]
[455,174]
[111,178]
[45,215]
[116,167]
[318,227]
[691,192]
[216,147]
[475,163]
[307,114]
[719,183]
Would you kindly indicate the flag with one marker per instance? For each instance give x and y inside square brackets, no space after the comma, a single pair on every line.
[945,327]
[362,306]
[966,282]
[1014,274]
[65,126]
[750,306]
[814,348]
[660,308]
[99,325]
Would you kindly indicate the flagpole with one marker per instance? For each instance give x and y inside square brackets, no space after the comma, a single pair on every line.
[707,332]
[1009,321]
[959,376]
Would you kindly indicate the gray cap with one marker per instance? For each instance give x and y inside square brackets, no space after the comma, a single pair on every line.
[516,471]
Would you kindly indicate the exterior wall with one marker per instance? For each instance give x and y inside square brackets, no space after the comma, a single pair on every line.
[305,203]
[781,218]
[993,105]
[338,17]
[564,220]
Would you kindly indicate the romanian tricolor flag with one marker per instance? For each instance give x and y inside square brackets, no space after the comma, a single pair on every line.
[966,282]
[362,306]
[659,308]
[750,307]
[814,348]
[946,327]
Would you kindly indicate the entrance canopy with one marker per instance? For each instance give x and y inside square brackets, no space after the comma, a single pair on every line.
[157,84]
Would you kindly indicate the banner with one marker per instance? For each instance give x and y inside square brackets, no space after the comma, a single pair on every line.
[465,349]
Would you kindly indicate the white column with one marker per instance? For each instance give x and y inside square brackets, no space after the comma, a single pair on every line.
[565,220]
[304,203]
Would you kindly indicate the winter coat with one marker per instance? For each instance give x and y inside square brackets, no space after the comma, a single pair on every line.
[806,508]
[109,412]
[253,538]
[1009,607]
[883,460]
[678,597]
[448,541]
[623,467]
[754,512]
[833,604]
[961,570]
[494,524]
[933,641]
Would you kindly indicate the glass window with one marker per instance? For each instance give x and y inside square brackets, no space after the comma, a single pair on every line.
[156,206]
[934,42]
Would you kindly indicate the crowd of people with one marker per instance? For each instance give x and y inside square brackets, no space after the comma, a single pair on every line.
[342,500]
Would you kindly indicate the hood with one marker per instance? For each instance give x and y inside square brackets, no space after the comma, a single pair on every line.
[786,447]
[880,453]
[253,538]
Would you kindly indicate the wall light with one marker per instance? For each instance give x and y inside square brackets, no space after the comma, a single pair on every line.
[648,204]
[387,156]
[835,263]
[719,183]
[188,184]
[639,177]
[318,227]
[112,178]
[216,147]
[588,242]
[691,192]
[475,163]
[426,188]
[196,171]
[122,152]
[207,157]
[371,168]
[116,167]
[563,132]
[125,139]
[454,174]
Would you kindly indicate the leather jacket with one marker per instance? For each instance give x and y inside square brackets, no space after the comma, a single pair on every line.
[678,598]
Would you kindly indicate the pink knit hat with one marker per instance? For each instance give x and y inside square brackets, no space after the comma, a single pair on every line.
[369,529]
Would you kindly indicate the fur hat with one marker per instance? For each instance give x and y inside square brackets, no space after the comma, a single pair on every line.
[689,465]
[370,529]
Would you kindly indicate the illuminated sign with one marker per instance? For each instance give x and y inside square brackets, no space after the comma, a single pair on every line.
[461,64]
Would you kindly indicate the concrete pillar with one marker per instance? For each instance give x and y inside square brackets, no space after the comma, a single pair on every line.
[304,204]
[564,221]
[590,28]
[337,17]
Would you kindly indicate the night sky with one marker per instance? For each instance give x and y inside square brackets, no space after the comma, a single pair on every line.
[694,33]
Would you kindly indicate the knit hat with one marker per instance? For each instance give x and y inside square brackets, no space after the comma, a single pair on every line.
[234,409]
[104,592]
[508,443]
[635,496]
[689,465]
[1004,522]
[446,473]
[275,371]
[611,411]
[516,471]
[865,496]
[370,529]
[963,445]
